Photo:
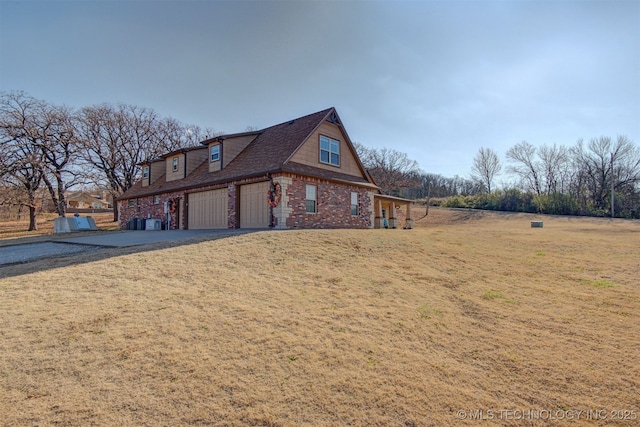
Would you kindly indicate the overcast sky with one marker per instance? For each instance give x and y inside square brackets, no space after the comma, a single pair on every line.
[434,79]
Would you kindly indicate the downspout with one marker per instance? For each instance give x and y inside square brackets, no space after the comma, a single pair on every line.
[271,224]
[184,169]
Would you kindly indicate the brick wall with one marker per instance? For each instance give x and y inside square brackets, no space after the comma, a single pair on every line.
[333,205]
[231,209]
[145,206]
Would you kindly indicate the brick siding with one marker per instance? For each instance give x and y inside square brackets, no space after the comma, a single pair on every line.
[231,209]
[144,206]
[333,205]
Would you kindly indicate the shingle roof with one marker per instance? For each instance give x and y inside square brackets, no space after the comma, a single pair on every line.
[301,169]
[267,153]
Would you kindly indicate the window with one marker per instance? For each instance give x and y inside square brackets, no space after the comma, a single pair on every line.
[145,172]
[156,200]
[175,164]
[132,203]
[311,201]
[329,151]
[215,153]
[354,204]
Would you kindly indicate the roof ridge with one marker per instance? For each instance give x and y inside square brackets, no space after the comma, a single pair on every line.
[290,121]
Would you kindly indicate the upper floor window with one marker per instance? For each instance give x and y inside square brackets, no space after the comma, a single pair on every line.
[215,153]
[329,151]
[145,172]
[175,164]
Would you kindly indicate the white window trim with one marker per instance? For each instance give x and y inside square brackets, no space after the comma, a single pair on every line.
[356,204]
[211,159]
[315,199]
[175,164]
[330,152]
[145,171]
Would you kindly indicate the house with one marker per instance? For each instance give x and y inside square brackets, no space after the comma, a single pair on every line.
[302,173]
[84,200]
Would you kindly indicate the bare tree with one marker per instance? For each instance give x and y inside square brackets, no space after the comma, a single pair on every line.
[22,162]
[59,148]
[606,164]
[555,167]
[525,166]
[392,170]
[114,140]
[173,135]
[38,126]
[486,166]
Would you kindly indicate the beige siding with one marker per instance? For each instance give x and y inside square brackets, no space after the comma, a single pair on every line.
[309,153]
[157,169]
[230,148]
[213,166]
[145,181]
[195,159]
[208,209]
[254,210]
[179,174]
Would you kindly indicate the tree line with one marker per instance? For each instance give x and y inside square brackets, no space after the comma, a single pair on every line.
[53,147]
[397,175]
[599,177]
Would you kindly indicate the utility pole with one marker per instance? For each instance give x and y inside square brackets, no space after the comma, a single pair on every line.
[612,188]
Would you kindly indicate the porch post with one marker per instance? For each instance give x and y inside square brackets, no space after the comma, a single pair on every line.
[393,221]
[377,223]
[409,225]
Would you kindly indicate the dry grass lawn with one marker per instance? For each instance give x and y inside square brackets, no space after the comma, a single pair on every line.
[469,311]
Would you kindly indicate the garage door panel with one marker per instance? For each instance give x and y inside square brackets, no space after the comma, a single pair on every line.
[208,209]
[254,210]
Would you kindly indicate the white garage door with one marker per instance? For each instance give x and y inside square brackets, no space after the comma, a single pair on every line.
[208,209]
[254,210]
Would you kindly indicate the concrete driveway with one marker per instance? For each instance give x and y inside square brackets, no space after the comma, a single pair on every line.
[20,253]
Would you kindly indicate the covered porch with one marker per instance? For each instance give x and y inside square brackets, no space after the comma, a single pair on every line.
[392,212]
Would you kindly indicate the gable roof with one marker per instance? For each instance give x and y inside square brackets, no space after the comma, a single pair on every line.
[269,152]
[273,147]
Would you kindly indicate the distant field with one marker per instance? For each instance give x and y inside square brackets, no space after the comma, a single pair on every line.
[472,314]
[18,229]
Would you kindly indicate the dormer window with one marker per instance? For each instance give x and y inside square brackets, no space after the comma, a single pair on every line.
[175,164]
[145,172]
[329,151]
[215,153]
